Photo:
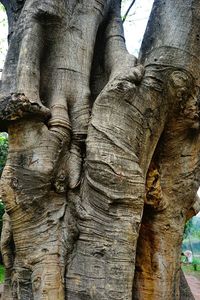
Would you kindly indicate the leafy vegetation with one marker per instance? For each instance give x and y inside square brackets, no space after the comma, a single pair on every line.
[189,270]
[192,234]
[192,242]
[3,150]
[2,273]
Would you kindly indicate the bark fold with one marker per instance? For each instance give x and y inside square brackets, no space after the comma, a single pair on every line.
[93,140]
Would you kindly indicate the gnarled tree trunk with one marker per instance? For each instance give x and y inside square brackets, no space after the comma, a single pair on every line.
[93,135]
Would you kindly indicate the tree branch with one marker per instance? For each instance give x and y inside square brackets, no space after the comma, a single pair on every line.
[127,12]
[13,10]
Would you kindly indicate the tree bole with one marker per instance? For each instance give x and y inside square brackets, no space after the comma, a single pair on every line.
[91,141]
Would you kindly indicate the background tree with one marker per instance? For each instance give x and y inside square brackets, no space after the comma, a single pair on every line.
[75,208]
[3,38]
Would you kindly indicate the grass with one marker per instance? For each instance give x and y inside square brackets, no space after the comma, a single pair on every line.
[192,269]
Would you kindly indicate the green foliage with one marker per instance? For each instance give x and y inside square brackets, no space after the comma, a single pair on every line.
[196,260]
[192,267]
[1,211]
[189,269]
[192,228]
[188,229]
[2,273]
[3,150]
[192,244]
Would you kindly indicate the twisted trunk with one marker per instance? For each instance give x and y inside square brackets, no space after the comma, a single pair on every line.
[74,208]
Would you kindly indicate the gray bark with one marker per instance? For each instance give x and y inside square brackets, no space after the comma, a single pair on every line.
[74,206]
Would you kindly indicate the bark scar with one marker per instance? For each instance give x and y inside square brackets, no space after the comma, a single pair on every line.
[154,196]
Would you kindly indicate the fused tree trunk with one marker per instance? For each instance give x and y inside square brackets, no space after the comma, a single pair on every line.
[92,137]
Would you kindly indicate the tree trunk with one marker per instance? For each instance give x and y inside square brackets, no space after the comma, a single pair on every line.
[172,179]
[74,205]
[185,292]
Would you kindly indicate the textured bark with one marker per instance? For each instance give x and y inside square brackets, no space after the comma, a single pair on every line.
[173,176]
[195,209]
[74,208]
[185,291]
[49,61]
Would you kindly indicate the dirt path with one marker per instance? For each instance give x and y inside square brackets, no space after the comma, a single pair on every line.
[194,284]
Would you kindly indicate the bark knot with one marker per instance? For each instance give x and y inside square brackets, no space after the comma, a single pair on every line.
[17,106]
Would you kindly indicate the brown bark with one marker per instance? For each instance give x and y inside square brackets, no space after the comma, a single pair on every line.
[49,60]
[194,209]
[73,208]
[172,179]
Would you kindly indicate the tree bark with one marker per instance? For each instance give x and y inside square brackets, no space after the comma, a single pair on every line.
[195,209]
[74,207]
[185,291]
[172,179]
